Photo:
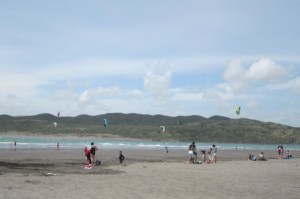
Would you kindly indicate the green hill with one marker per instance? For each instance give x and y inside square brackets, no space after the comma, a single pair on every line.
[181,128]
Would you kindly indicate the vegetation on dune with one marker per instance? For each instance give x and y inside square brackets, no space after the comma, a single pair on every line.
[181,128]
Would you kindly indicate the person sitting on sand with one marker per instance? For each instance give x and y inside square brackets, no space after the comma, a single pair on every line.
[250,156]
[288,155]
[261,156]
[121,158]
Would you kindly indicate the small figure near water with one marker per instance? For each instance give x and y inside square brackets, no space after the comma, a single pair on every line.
[167,150]
[121,158]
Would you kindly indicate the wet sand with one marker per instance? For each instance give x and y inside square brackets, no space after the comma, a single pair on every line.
[146,174]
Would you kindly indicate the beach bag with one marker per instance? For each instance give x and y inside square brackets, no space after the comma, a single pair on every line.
[98,162]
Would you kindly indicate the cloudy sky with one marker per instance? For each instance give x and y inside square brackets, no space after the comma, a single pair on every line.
[170,57]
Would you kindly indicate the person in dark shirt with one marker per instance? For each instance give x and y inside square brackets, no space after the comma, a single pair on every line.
[93,152]
[121,158]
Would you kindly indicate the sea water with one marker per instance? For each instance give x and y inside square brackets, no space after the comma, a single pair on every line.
[27,142]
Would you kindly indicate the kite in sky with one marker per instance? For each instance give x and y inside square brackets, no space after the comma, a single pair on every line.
[238,110]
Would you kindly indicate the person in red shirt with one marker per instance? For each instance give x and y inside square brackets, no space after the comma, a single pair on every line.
[88,155]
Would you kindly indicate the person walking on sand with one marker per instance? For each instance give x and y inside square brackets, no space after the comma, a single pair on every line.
[214,150]
[121,158]
[93,153]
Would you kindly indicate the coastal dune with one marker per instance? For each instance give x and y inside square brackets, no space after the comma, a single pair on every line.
[146,174]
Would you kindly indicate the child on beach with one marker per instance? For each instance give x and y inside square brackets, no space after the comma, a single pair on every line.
[121,158]
[203,155]
[210,156]
[288,155]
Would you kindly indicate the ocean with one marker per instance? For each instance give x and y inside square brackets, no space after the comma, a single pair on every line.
[27,142]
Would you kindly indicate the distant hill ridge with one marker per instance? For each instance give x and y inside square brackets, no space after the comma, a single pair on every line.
[143,126]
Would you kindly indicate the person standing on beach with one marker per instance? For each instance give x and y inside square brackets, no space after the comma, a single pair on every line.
[193,148]
[87,155]
[280,152]
[93,153]
[15,146]
[214,149]
[191,154]
[121,158]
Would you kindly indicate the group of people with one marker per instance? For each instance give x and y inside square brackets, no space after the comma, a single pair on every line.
[90,154]
[261,157]
[212,154]
[281,152]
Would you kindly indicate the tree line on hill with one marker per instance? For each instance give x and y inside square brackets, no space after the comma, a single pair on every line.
[180,128]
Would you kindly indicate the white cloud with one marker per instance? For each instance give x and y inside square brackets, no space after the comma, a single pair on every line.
[157,85]
[293,84]
[265,71]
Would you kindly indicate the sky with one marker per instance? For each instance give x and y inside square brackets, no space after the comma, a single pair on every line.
[169,57]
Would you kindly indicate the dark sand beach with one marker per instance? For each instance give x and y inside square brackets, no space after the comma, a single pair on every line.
[146,174]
